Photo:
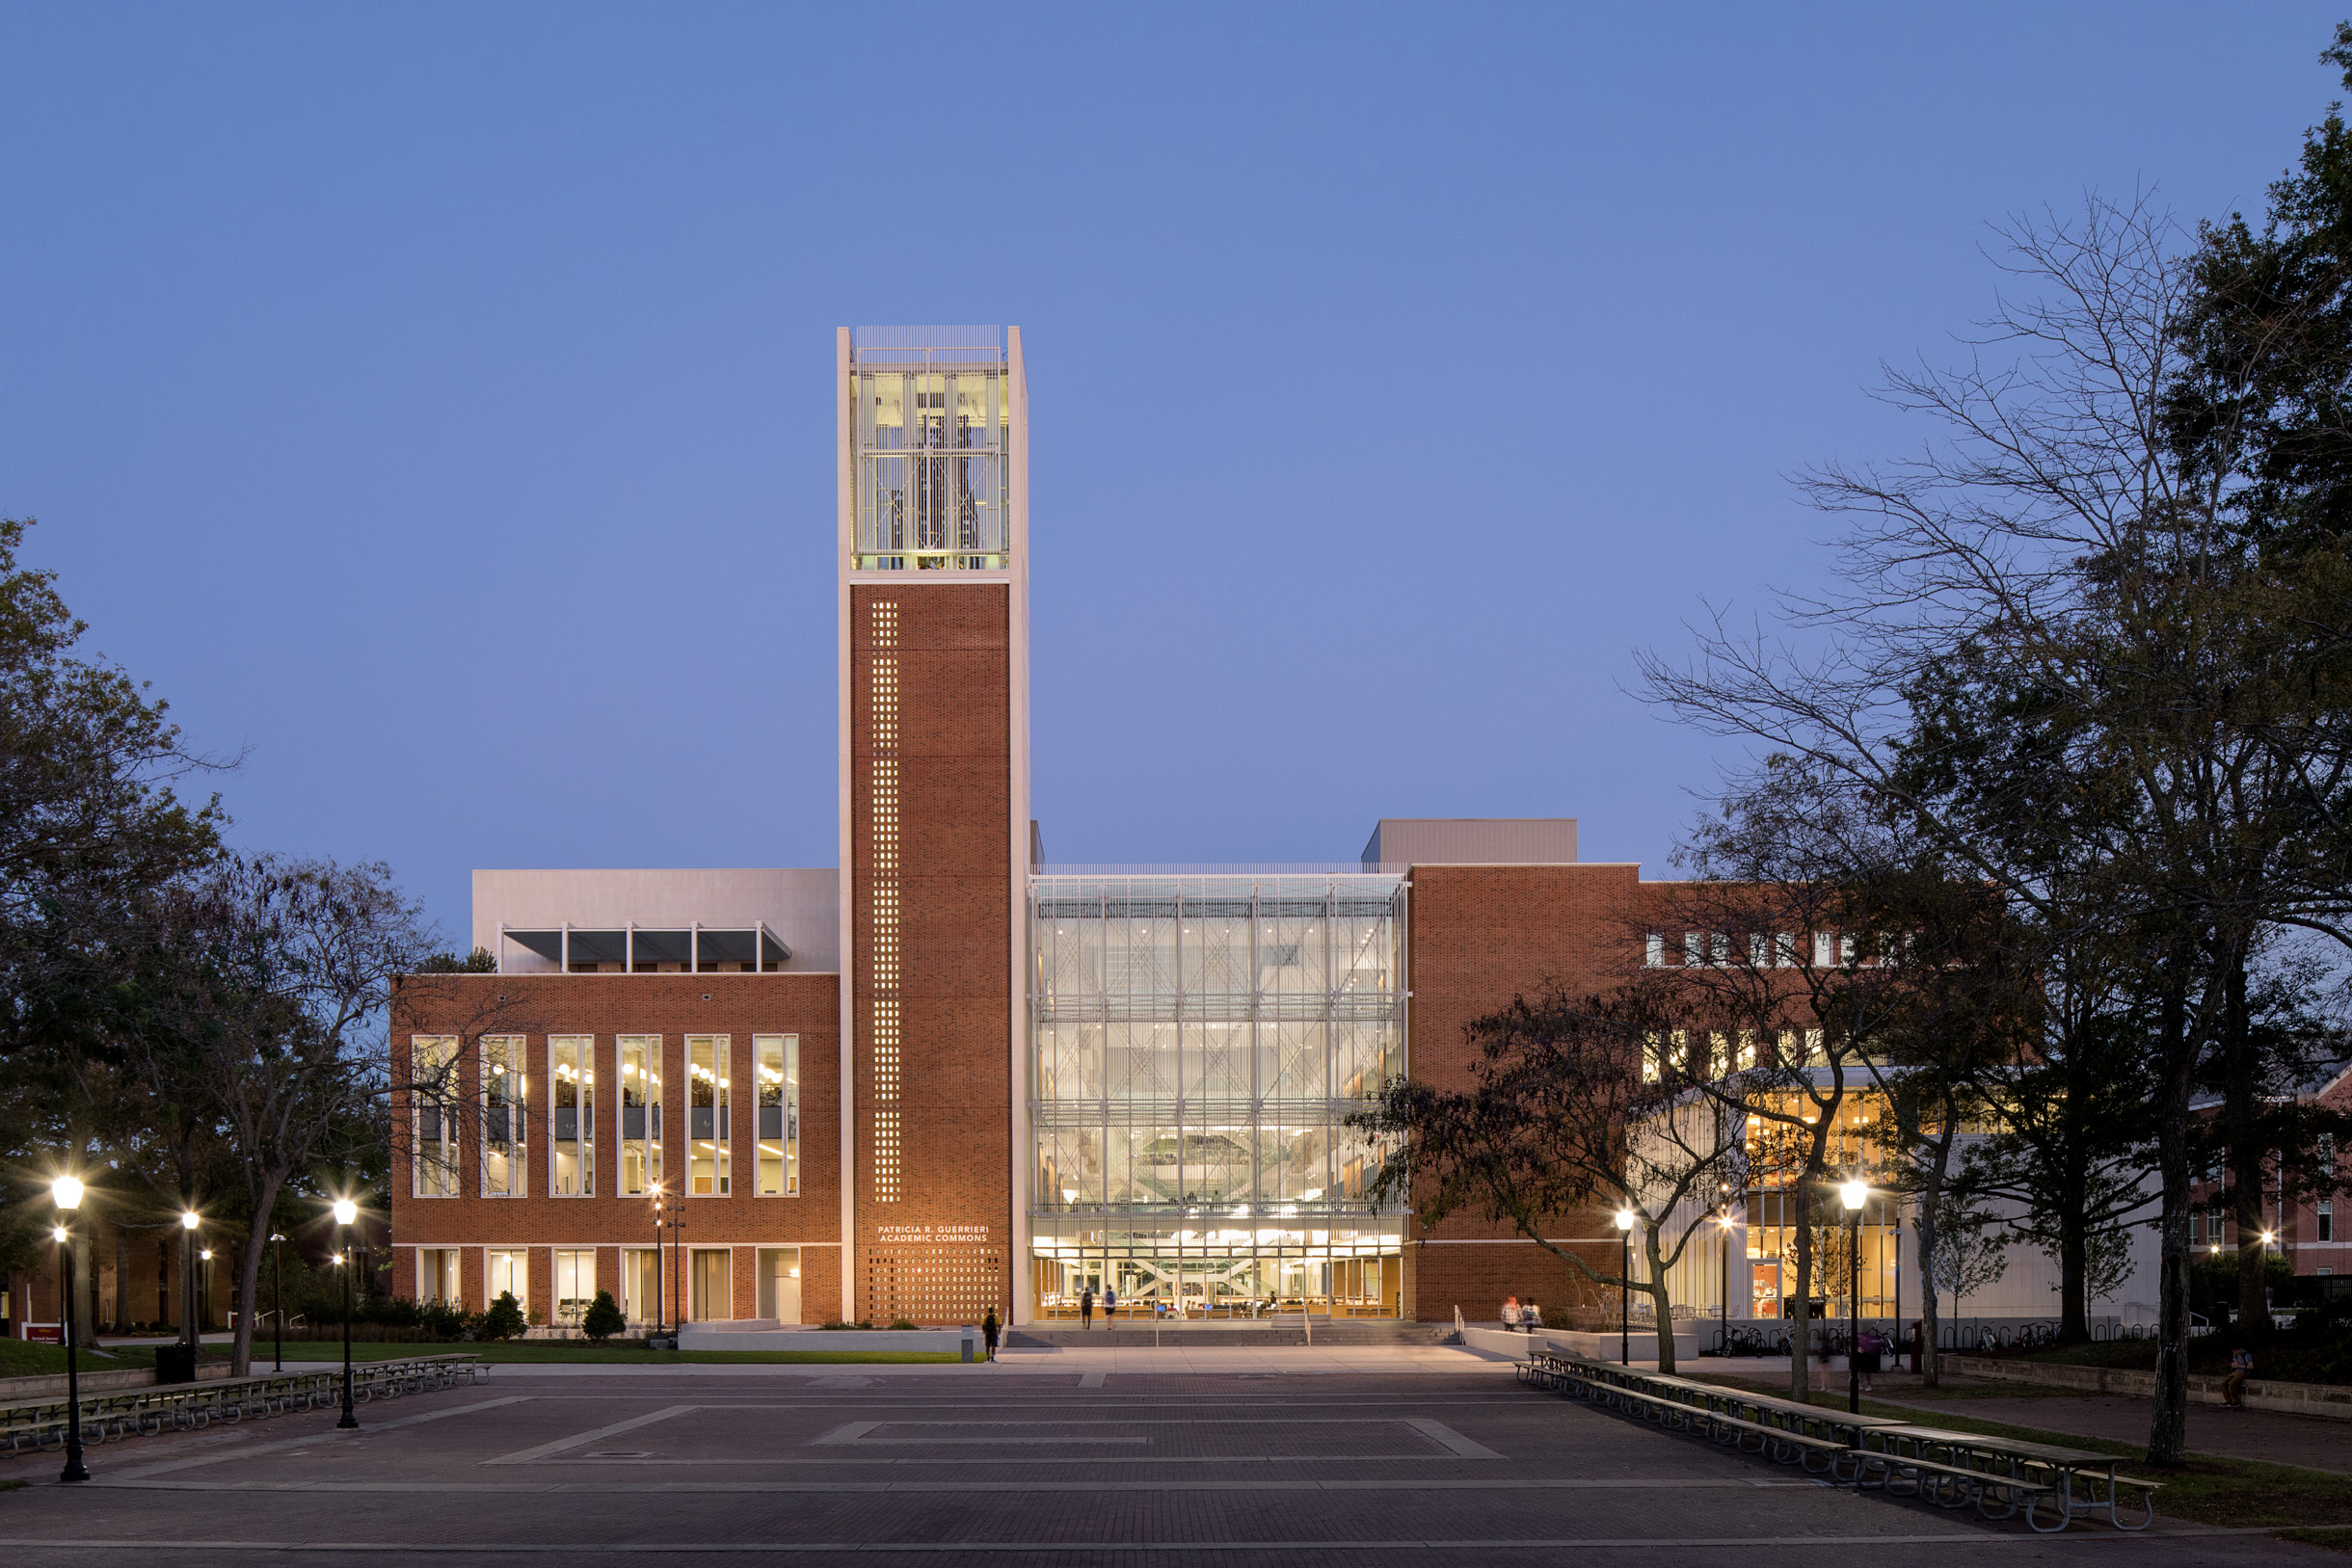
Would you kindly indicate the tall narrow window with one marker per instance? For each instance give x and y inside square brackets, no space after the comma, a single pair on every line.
[640,1282]
[509,1274]
[574,1285]
[640,1114]
[777,1057]
[433,1104]
[707,1131]
[572,1123]
[2327,1219]
[503,1117]
[437,1274]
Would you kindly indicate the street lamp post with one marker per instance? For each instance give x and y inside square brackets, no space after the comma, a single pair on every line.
[68,1194]
[657,1239]
[1624,1225]
[205,1294]
[1723,1219]
[677,1269]
[188,1222]
[345,1212]
[1855,1195]
[278,1305]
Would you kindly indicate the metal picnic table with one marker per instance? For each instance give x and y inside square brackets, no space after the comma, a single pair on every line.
[2076,1483]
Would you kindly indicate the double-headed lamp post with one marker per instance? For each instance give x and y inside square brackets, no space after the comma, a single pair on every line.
[1624,1225]
[1853,1194]
[66,1192]
[345,1212]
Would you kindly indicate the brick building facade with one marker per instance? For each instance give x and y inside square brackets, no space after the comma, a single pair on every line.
[1035,1081]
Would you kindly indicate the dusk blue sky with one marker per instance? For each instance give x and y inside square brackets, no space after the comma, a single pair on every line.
[434,401]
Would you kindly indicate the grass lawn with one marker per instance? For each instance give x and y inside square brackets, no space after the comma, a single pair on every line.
[513,1351]
[22,1358]
[2240,1493]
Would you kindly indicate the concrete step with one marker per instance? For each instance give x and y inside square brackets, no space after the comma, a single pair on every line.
[1129,1334]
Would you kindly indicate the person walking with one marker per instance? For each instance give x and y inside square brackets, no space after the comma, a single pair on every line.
[1868,1348]
[1111,1304]
[988,1332]
[1085,1307]
[2234,1386]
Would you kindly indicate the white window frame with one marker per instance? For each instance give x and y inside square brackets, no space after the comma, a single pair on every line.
[489,1276]
[720,1071]
[515,1053]
[581,1298]
[442,1049]
[650,1144]
[583,1084]
[787,1063]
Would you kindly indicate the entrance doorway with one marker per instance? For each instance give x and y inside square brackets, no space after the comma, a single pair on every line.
[780,1283]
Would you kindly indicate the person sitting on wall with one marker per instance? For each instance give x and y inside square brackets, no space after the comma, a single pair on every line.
[1511,1315]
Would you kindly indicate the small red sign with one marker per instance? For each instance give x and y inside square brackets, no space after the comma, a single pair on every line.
[45,1332]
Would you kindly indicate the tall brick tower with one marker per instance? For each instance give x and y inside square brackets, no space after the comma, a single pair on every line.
[933,524]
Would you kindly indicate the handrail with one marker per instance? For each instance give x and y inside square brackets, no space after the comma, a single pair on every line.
[2001,1476]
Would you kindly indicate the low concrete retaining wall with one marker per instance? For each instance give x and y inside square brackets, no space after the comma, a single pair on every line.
[2325,1399]
[948,1340]
[48,1383]
[1591,1346]
[53,1384]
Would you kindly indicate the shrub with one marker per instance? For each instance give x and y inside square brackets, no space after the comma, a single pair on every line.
[904,1322]
[838,1324]
[504,1320]
[603,1318]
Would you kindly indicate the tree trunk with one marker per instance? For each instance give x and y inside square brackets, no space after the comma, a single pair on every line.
[1930,1194]
[1659,1304]
[122,1278]
[2168,1426]
[2253,1289]
[1800,1372]
[2074,1253]
[249,1273]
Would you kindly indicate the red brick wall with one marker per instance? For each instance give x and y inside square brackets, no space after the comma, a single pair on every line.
[606,1006]
[952,650]
[1480,935]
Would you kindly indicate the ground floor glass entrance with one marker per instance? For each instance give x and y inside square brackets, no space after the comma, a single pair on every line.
[1345,1269]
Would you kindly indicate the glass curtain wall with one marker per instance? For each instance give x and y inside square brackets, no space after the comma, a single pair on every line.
[1778,1204]
[932,421]
[1197,1044]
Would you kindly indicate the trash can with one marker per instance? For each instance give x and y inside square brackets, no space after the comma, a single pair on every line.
[176,1363]
[966,1341]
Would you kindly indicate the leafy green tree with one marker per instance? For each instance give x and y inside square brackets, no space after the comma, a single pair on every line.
[90,821]
[1578,1103]
[602,1319]
[504,1320]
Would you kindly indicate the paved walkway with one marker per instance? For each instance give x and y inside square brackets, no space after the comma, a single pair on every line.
[931,1465]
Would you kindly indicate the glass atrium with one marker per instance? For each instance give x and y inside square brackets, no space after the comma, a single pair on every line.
[1197,1043]
[932,426]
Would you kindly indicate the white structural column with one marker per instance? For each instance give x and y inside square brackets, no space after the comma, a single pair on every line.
[1017,535]
[845,521]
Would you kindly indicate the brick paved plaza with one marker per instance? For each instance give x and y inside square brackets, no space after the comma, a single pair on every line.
[1006,1464]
